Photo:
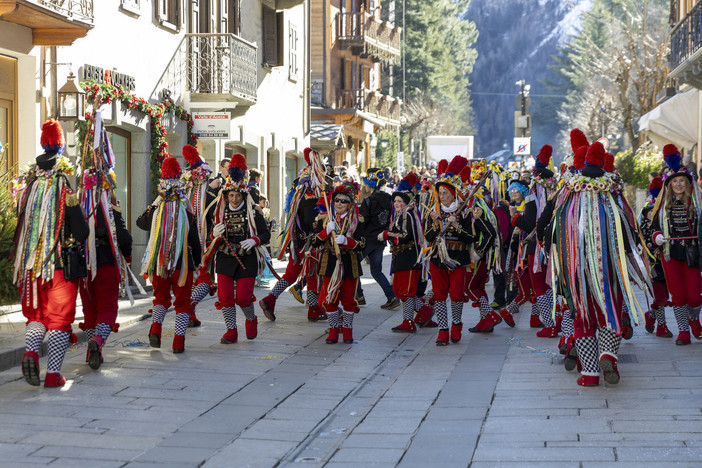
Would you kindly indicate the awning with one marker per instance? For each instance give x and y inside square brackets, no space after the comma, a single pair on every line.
[327,136]
[674,121]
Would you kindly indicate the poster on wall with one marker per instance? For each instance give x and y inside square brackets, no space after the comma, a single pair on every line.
[211,125]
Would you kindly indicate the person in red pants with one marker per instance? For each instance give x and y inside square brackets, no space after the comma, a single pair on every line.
[676,232]
[196,176]
[301,208]
[48,256]
[171,253]
[240,234]
[339,238]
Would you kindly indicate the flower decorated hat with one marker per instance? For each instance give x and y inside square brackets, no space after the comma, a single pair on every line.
[448,175]
[404,188]
[672,158]
[237,178]
[543,159]
[375,178]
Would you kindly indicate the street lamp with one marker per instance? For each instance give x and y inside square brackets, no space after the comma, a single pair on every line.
[71,101]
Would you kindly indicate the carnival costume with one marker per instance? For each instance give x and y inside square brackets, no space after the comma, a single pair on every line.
[596,261]
[340,239]
[301,209]
[676,224]
[48,256]
[108,247]
[196,176]
[171,252]
[240,234]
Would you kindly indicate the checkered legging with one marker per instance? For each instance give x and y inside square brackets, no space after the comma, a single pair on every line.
[229,314]
[57,345]
[457,312]
[441,315]
[279,287]
[34,336]
[199,292]
[544,304]
[682,314]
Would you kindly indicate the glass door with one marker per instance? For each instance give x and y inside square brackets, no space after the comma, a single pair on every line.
[121,141]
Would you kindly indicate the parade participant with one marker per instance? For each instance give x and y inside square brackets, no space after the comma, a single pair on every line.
[108,247]
[196,176]
[240,234]
[675,224]
[375,213]
[406,243]
[595,261]
[301,210]
[339,237]
[48,258]
[660,289]
[171,253]
[448,232]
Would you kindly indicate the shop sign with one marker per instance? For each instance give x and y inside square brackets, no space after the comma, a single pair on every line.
[111,77]
[211,125]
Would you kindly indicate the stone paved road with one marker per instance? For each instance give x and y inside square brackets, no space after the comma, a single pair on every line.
[288,399]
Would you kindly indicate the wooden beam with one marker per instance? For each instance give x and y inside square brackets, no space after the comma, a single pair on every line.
[56,37]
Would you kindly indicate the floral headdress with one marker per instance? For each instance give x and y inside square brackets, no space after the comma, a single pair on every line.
[375,178]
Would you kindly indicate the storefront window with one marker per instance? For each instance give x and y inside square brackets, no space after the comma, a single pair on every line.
[121,145]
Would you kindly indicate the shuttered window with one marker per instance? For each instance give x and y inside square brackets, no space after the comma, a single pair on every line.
[272,37]
[292,52]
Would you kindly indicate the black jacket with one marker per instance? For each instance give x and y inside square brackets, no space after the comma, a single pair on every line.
[237,230]
[349,253]
[404,248]
[102,237]
[526,222]
[376,210]
[304,222]
[458,240]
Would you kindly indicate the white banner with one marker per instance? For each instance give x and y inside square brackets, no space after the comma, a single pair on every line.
[211,125]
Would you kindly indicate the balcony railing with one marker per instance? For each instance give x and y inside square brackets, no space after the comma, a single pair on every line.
[81,10]
[686,38]
[371,102]
[366,35]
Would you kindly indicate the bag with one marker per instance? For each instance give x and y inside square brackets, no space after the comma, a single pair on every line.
[74,266]
[692,254]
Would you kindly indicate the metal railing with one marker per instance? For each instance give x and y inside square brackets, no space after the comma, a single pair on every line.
[686,37]
[81,10]
[378,38]
[371,102]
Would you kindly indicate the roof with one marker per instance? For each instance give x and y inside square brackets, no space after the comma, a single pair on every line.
[325,132]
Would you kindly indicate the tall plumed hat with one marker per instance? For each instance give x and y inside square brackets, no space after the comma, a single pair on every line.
[672,158]
[236,174]
[52,139]
[594,161]
[579,145]
[609,162]
[170,168]
[655,187]
[192,157]
[542,161]
[404,188]
[577,139]
[449,174]
[375,178]
[308,152]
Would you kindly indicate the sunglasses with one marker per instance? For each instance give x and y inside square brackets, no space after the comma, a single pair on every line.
[343,202]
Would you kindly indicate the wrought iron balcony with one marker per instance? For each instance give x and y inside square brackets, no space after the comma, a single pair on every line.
[372,103]
[366,36]
[686,37]
[53,22]
[221,67]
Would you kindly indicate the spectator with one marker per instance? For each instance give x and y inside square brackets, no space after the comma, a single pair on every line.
[255,177]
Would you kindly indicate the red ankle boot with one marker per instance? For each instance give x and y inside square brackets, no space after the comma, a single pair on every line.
[315,313]
[571,361]
[443,338]
[535,322]
[456,330]
[650,322]
[695,328]
[480,326]
[251,328]
[54,379]
[347,334]
[662,331]
[231,336]
[547,332]
[683,338]
[30,368]
[407,326]
[562,345]
[155,335]
[491,319]
[178,344]
[507,317]
[193,322]
[95,351]
[268,306]
[608,364]
[333,335]
[423,315]
[589,380]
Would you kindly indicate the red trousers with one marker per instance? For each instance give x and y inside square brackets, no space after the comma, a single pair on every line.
[445,283]
[404,283]
[204,276]
[530,281]
[587,321]
[162,292]
[346,295]
[660,294]
[292,271]
[475,281]
[684,283]
[99,296]
[231,292]
[56,307]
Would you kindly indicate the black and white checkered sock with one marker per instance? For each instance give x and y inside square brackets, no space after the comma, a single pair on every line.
[348,319]
[181,323]
[229,314]
[659,314]
[682,314]
[249,312]
[103,330]
[199,292]
[457,312]
[441,314]
[545,305]
[312,298]
[89,333]
[588,354]
[609,341]
[57,345]
[334,319]
[484,307]
[34,336]
[535,308]
[408,309]
[567,329]
[512,308]
[279,287]
[158,313]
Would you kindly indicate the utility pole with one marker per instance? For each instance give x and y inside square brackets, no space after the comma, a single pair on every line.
[522,121]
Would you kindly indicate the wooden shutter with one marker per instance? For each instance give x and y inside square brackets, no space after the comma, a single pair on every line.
[270,37]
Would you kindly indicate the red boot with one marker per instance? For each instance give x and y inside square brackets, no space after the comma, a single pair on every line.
[347,333]
[178,344]
[315,313]
[193,322]
[231,336]
[535,322]
[608,364]
[443,338]
[650,322]
[333,335]
[562,345]
[695,328]
[663,332]
[268,306]
[456,330]
[683,338]
[570,361]
[251,328]
[489,322]
[407,326]
[423,315]
[30,368]
[547,332]
[589,380]
[155,335]
[54,379]
[507,317]
[95,351]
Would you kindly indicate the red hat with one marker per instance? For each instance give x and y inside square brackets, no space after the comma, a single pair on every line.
[441,169]
[307,152]
[52,139]
[170,168]
[595,155]
[577,139]
[579,157]
[191,156]
[609,162]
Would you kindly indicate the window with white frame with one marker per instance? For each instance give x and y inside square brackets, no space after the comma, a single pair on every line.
[292,52]
[132,6]
[170,13]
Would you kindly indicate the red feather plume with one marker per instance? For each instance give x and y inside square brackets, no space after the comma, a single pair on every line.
[238,160]
[577,139]
[579,157]
[191,155]
[170,168]
[595,154]
[656,183]
[670,149]
[412,179]
[465,174]
[457,164]
[52,135]
[441,169]
[307,155]
[544,156]
[609,162]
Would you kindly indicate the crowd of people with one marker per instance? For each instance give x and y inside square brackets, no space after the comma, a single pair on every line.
[568,243]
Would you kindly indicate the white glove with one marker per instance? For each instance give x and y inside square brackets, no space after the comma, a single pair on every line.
[248,244]
[218,230]
[659,239]
[341,240]
[381,236]
[331,226]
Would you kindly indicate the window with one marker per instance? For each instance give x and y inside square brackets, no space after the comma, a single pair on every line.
[292,52]
[272,37]
[121,142]
[132,6]
[169,13]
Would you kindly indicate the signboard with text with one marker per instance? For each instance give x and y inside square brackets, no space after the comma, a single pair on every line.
[211,125]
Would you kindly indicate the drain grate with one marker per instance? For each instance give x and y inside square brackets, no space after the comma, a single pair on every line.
[627,359]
